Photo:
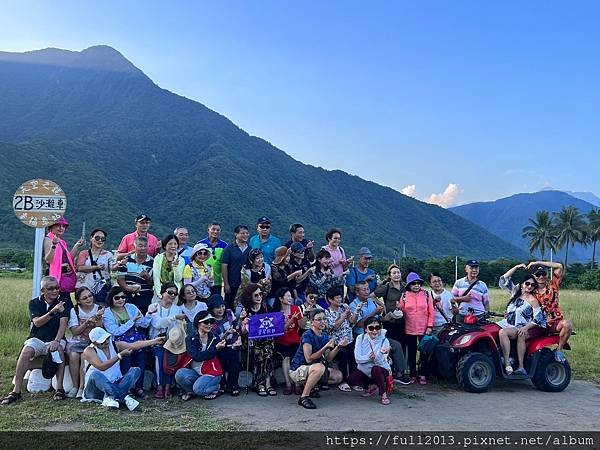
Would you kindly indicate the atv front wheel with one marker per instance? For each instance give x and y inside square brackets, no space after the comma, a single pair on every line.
[475,372]
[551,375]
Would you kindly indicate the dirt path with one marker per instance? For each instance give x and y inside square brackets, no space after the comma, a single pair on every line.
[510,406]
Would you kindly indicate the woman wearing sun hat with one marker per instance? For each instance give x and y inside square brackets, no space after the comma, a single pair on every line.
[104,381]
[417,307]
[205,373]
[60,260]
[198,273]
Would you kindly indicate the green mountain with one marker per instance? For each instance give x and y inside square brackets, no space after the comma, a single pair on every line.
[118,145]
[507,217]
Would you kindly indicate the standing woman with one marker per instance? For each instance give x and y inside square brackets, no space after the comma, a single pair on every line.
[390,292]
[198,273]
[84,316]
[168,266]
[417,306]
[262,349]
[126,323]
[287,344]
[163,316]
[323,278]
[93,266]
[60,260]
[339,262]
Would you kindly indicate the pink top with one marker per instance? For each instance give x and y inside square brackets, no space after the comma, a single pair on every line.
[126,245]
[55,267]
[337,256]
[418,312]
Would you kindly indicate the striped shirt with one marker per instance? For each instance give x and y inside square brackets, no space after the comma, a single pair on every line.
[480,296]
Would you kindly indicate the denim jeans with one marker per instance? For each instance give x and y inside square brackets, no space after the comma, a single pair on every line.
[190,381]
[136,359]
[98,385]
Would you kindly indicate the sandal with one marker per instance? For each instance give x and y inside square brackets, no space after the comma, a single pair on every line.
[235,392]
[508,370]
[344,387]
[59,395]
[262,391]
[11,398]
[315,393]
[288,390]
[187,396]
[298,389]
[271,391]
[307,403]
[211,396]
[385,401]
[358,388]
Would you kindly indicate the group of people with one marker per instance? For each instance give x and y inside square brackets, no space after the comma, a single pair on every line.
[185,310]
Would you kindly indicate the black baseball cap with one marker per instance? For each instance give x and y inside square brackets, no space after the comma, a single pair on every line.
[263,219]
[473,263]
[538,268]
[142,217]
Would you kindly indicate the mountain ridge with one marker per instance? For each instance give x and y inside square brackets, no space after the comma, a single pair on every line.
[122,142]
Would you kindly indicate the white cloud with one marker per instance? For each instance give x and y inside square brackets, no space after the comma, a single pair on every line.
[446,198]
[409,190]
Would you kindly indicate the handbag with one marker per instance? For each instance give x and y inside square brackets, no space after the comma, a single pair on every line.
[134,334]
[428,343]
[67,282]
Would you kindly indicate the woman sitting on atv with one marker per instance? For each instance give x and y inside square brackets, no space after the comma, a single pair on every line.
[523,318]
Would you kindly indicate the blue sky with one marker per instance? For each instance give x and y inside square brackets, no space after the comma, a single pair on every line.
[476,99]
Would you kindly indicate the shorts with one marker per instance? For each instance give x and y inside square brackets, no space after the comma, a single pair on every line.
[552,329]
[77,346]
[300,375]
[287,351]
[39,347]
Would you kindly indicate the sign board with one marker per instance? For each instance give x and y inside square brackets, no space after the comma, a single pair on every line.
[39,203]
[263,326]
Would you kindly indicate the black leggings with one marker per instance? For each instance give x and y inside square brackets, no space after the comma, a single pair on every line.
[410,348]
[344,360]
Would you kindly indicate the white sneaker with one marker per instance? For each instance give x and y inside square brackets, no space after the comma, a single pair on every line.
[110,402]
[131,403]
[72,393]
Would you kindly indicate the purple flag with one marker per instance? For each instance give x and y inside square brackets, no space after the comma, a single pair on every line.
[263,326]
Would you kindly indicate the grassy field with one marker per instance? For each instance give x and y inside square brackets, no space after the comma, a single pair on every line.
[42,413]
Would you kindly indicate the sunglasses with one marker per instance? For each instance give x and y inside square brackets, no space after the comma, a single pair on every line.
[204,252]
[265,227]
[99,239]
[119,297]
[416,283]
[529,283]
[172,293]
[52,288]
[260,294]
[539,274]
[374,327]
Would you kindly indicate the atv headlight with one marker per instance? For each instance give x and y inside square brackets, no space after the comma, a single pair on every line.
[463,340]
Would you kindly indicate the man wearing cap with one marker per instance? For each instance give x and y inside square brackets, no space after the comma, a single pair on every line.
[104,381]
[184,250]
[361,272]
[49,318]
[127,247]
[234,257]
[547,296]
[216,246]
[264,240]
[471,293]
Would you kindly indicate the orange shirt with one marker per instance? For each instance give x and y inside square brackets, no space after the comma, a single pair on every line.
[548,299]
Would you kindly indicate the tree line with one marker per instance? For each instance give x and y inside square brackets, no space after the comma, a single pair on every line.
[563,229]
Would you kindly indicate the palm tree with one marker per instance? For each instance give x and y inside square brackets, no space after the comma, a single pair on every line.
[570,228]
[539,233]
[593,232]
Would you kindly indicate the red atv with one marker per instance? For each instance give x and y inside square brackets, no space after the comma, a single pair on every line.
[472,352]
